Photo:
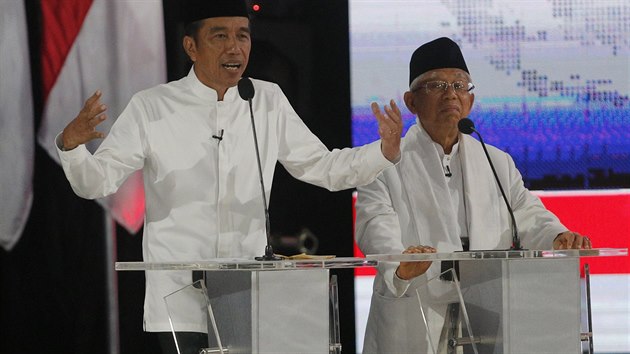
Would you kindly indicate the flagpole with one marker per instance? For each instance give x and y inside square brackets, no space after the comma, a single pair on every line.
[112,283]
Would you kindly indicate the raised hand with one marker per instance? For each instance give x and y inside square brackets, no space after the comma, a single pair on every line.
[389,128]
[83,128]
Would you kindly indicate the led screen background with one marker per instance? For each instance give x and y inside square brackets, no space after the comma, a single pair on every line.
[552,78]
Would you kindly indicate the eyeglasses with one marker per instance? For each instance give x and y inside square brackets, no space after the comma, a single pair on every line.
[438,87]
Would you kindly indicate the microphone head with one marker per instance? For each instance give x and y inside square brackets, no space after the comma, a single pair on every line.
[466,126]
[245,88]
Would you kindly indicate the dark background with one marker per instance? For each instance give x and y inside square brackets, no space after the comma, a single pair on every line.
[53,286]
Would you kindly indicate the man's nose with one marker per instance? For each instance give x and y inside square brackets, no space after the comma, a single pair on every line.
[232,44]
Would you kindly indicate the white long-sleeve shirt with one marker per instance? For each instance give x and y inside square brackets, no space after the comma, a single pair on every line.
[203,196]
[412,204]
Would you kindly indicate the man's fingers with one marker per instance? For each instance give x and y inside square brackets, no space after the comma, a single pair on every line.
[380,117]
[393,114]
[409,270]
[376,110]
[395,108]
[91,103]
[82,129]
[579,241]
[92,106]
[582,242]
[95,97]
[570,239]
[97,135]
[419,249]
[587,243]
[396,116]
[389,119]
[96,109]
[94,121]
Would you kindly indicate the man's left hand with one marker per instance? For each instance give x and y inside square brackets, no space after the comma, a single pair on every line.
[389,128]
[571,240]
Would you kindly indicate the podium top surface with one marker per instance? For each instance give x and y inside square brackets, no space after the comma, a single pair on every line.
[368,261]
[499,254]
[250,264]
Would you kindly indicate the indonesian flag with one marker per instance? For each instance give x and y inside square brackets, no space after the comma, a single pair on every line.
[116,46]
[16,123]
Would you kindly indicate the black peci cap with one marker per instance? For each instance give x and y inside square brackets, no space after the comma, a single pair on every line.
[195,10]
[440,53]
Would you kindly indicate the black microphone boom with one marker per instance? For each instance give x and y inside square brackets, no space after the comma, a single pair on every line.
[467,126]
[246,91]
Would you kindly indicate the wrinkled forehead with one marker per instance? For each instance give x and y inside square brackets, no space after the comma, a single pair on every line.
[444,74]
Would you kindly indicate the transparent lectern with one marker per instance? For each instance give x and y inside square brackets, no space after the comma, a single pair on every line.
[287,306]
[505,301]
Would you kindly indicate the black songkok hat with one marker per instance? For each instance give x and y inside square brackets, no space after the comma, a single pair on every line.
[438,54]
[195,10]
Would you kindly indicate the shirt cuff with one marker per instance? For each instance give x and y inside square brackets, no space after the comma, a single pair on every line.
[59,143]
[400,285]
[376,155]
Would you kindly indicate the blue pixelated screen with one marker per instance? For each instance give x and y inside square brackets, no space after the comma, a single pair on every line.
[552,78]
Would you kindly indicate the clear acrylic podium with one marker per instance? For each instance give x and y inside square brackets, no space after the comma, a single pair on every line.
[287,306]
[508,301]
[504,301]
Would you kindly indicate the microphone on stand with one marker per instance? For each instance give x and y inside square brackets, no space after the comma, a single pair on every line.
[467,126]
[246,91]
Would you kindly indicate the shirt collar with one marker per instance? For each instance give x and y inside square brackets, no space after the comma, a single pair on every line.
[207,93]
[424,136]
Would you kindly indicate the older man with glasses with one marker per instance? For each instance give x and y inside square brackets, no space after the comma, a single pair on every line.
[443,197]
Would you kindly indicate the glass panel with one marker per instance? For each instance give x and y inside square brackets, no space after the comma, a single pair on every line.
[446,323]
[588,336]
[335,331]
[190,306]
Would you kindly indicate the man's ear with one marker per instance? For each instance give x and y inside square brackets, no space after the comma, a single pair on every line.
[411,106]
[190,48]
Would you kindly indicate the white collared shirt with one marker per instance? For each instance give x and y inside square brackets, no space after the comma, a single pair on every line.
[203,196]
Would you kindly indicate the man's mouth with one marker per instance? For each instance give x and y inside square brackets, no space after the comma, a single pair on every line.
[450,109]
[232,66]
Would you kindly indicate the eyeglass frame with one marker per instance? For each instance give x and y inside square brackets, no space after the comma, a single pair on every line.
[461,91]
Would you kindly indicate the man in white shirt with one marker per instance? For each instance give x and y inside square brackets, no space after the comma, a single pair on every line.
[442,192]
[193,140]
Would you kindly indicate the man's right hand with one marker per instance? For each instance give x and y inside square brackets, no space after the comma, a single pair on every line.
[83,128]
[410,270]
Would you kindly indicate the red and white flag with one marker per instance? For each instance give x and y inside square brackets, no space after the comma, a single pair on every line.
[16,123]
[116,46]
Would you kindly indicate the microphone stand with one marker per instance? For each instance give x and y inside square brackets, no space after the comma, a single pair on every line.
[516,241]
[466,126]
[269,255]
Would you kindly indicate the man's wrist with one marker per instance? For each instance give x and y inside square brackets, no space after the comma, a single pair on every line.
[397,275]
[64,148]
[61,145]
